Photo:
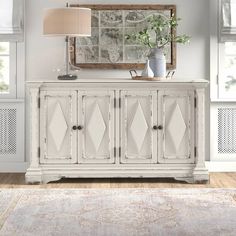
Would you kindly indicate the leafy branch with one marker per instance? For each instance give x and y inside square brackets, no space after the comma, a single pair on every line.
[163,30]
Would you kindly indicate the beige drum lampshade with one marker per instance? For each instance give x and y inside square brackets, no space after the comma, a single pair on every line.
[67,21]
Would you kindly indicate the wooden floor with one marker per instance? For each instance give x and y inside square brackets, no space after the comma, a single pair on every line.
[217,180]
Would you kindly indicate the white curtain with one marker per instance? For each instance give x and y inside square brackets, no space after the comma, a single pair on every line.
[11,20]
[228,20]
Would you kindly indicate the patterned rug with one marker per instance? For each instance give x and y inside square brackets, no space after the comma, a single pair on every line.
[117,212]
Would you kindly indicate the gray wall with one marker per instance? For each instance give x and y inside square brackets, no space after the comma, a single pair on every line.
[45,54]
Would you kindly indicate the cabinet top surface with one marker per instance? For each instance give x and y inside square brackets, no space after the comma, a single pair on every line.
[121,81]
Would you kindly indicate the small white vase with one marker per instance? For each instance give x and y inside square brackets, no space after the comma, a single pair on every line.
[147,72]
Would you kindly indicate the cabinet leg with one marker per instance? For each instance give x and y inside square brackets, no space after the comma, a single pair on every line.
[36,177]
[33,176]
[200,176]
[193,180]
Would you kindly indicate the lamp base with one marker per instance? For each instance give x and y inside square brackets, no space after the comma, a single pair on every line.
[67,77]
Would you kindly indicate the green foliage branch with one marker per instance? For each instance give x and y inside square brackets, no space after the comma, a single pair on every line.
[163,30]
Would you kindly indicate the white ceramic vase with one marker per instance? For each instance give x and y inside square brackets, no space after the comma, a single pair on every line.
[147,72]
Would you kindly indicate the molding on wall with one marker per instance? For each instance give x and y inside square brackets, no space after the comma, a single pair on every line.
[13,167]
[220,166]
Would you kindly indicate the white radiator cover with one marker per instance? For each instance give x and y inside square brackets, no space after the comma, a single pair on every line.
[7,131]
[223,132]
[11,132]
[226,130]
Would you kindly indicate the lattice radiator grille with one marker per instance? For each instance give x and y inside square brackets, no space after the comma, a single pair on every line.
[226,130]
[8,137]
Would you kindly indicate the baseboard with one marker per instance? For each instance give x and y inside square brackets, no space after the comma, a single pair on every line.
[13,167]
[216,166]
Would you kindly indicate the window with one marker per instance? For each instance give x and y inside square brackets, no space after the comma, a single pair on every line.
[11,33]
[7,70]
[227,50]
[4,67]
[227,70]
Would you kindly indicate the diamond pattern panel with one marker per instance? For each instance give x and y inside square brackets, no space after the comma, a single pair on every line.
[139,127]
[176,127]
[58,126]
[96,127]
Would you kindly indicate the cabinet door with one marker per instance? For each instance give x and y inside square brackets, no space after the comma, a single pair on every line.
[176,116]
[58,113]
[96,118]
[137,118]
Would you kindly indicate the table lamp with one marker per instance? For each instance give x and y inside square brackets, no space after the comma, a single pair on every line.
[69,22]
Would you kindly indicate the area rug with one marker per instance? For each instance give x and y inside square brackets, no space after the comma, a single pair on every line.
[117,212]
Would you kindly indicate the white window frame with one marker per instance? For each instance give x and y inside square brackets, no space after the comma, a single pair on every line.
[15,98]
[12,72]
[221,76]
[217,51]
[221,61]
[221,161]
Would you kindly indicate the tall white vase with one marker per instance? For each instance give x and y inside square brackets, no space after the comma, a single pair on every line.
[147,72]
[158,62]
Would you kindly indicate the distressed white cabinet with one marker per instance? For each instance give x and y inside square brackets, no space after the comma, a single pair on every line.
[58,114]
[117,128]
[137,118]
[96,127]
[176,116]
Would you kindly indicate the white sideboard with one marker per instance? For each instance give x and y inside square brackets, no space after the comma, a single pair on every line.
[117,128]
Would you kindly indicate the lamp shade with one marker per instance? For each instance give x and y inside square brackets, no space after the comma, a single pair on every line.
[72,21]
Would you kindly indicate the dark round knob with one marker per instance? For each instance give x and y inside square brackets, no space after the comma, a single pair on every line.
[160,127]
[79,127]
[155,127]
[74,127]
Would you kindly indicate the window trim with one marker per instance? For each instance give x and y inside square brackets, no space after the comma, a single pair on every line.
[216,50]
[221,61]
[12,72]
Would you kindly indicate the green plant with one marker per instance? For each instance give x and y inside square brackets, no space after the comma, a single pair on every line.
[3,87]
[159,32]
